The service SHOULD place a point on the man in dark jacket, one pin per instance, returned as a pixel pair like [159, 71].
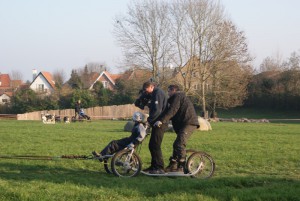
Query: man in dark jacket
[184, 120]
[157, 105]
[77, 109]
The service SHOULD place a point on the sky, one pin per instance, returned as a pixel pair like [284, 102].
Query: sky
[51, 35]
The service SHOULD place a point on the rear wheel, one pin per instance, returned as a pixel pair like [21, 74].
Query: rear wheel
[200, 165]
[126, 163]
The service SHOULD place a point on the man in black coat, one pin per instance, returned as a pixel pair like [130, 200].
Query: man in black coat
[184, 120]
[157, 105]
[77, 109]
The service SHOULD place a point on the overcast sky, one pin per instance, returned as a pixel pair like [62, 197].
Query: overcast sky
[49, 35]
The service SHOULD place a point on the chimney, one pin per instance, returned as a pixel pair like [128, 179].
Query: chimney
[34, 74]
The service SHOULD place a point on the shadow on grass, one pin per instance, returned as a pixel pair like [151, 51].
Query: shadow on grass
[240, 188]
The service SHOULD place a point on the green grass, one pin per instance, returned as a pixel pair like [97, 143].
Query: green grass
[253, 162]
[255, 113]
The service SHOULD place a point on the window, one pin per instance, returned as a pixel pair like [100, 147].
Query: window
[40, 87]
[4, 100]
[105, 84]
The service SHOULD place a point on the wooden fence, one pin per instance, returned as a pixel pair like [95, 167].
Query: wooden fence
[8, 116]
[105, 112]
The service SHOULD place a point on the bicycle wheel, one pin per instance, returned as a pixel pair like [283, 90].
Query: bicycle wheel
[200, 165]
[107, 166]
[126, 163]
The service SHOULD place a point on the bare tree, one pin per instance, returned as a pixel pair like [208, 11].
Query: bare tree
[272, 64]
[97, 67]
[59, 77]
[16, 75]
[196, 37]
[293, 62]
[144, 35]
[206, 44]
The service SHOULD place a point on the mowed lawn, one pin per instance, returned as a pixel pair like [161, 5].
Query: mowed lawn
[254, 161]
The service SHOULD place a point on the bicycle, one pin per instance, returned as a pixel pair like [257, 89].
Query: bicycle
[127, 163]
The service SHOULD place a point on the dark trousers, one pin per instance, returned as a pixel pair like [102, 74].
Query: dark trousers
[156, 138]
[179, 145]
[115, 145]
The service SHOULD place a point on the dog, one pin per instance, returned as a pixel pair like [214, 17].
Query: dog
[48, 119]
[66, 120]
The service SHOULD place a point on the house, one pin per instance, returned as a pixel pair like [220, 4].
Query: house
[188, 76]
[137, 74]
[5, 97]
[108, 80]
[7, 88]
[5, 81]
[43, 83]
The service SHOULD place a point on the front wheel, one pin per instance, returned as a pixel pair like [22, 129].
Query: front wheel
[126, 163]
[200, 165]
[107, 166]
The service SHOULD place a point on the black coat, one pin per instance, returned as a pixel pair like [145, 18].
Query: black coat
[158, 105]
[77, 107]
[181, 111]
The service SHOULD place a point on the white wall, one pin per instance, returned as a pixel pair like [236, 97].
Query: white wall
[41, 80]
[4, 96]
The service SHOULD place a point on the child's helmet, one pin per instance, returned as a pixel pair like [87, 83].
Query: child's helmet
[139, 117]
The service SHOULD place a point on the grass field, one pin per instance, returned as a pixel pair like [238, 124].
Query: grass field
[253, 162]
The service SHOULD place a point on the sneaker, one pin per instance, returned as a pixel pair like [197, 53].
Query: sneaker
[180, 169]
[157, 171]
[172, 167]
[148, 169]
[98, 155]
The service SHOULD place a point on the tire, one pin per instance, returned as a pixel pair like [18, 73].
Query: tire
[200, 165]
[107, 166]
[125, 164]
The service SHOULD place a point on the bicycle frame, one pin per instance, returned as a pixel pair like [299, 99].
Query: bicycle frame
[126, 163]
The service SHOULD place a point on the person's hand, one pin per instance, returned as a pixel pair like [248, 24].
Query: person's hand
[130, 146]
[157, 124]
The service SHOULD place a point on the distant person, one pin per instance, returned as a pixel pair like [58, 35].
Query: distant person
[184, 120]
[77, 109]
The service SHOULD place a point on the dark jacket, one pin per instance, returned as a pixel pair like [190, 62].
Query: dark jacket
[158, 105]
[77, 107]
[181, 111]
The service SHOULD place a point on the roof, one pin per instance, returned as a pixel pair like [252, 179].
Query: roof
[115, 76]
[16, 83]
[111, 77]
[5, 80]
[136, 73]
[48, 78]
[8, 93]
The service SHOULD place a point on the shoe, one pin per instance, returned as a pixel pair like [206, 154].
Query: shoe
[96, 154]
[172, 167]
[148, 169]
[180, 169]
[157, 171]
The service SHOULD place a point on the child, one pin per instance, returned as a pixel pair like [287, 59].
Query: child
[83, 115]
[138, 134]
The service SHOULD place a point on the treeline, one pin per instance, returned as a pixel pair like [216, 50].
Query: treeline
[278, 84]
[275, 90]
[27, 100]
